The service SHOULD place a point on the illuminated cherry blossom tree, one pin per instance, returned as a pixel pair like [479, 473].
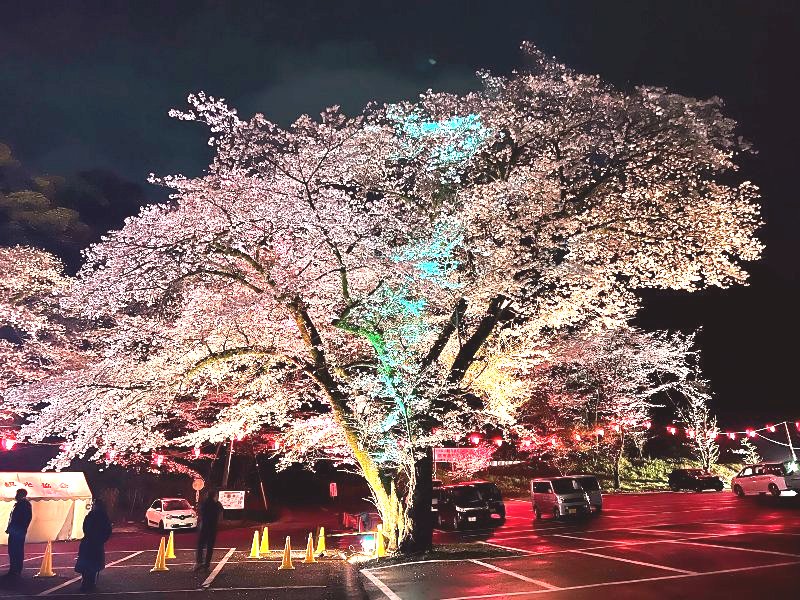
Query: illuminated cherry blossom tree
[348, 280]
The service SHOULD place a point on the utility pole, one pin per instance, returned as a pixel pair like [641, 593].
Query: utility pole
[227, 467]
[789, 439]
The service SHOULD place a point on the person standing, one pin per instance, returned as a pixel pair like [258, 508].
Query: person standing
[210, 512]
[91, 552]
[17, 529]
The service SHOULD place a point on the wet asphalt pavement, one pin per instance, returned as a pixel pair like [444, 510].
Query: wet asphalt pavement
[661, 545]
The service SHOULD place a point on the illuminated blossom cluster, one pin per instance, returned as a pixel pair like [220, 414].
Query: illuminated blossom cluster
[349, 280]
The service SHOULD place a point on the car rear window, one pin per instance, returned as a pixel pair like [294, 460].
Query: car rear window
[176, 505]
[588, 483]
[566, 486]
[465, 494]
[489, 491]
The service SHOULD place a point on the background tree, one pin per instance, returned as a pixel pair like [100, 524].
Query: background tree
[701, 425]
[366, 269]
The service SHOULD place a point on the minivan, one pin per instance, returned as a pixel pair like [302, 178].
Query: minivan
[591, 486]
[461, 506]
[494, 499]
[559, 497]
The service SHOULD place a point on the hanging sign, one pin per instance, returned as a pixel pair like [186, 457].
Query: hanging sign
[232, 499]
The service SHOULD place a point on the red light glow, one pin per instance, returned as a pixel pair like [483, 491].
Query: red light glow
[196, 451]
[616, 427]
[9, 443]
[600, 432]
[690, 433]
[648, 424]
[159, 460]
[475, 438]
[771, 428]
[497, 441]
[577, 437]
[672, 430]
[750, 433]
[732, 435]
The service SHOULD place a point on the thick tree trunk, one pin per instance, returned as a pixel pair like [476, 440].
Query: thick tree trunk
[420, 538]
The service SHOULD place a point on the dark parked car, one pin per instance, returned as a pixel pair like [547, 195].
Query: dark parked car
[494, 499]
[461, 505]
[694, 479]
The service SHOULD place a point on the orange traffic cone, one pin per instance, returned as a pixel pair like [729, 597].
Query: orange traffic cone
[265, 542]
[171, 545]
[310, 550]
[46, 570]
[321, 542]
[380, 545]
[161, 560]
[286, 563]
[254, 547]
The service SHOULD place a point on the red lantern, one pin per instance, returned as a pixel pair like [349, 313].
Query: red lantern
[672, 430]
[750, 433]
[475, 438]
[732, 435]
[526, 443]
[274, 444]
[712, 434]
[9, 443]
[771, 428]
[196, 452]
[159, 460]
[497, 440]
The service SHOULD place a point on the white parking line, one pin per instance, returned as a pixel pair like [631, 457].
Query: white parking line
[718, 546]
[507, 548]
[625, 582]
[74, 579]
[381, 586]
[513, 574]
[184, 591]
[635, 562]
[210, 579]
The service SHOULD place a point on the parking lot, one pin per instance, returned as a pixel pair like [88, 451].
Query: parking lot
[659, 545]
[130, 556]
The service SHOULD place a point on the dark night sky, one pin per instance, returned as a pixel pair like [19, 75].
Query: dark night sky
[87, 85]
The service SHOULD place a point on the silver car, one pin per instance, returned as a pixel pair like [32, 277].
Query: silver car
[591, 486]
[559, 497]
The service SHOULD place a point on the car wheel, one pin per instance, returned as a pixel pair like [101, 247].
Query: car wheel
[737, 489]
[556, 514]
[674, 487]
[773, 489]
[161, 525]
[537, 513]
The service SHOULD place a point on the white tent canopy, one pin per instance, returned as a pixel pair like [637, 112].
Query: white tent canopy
[60, 502]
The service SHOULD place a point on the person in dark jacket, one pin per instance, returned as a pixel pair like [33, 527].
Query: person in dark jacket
[17, 529]
[210, 512]
[91, 552]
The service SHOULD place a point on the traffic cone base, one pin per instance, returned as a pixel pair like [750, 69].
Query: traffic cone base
[286, 563]
[254, 547]
[46, 570]
[310, 550]
[265, 542]
[161, 559]
[321, 542]
[171, 545]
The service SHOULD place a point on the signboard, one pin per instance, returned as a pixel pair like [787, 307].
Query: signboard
[232, 499]
[454, 455]
[332, 489]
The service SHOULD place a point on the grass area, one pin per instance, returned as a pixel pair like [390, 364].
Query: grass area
[635, 476]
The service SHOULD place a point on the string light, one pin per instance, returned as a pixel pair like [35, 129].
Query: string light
[672, 430]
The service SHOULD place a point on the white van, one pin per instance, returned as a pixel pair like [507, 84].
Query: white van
[559, 497]
[591, 486]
